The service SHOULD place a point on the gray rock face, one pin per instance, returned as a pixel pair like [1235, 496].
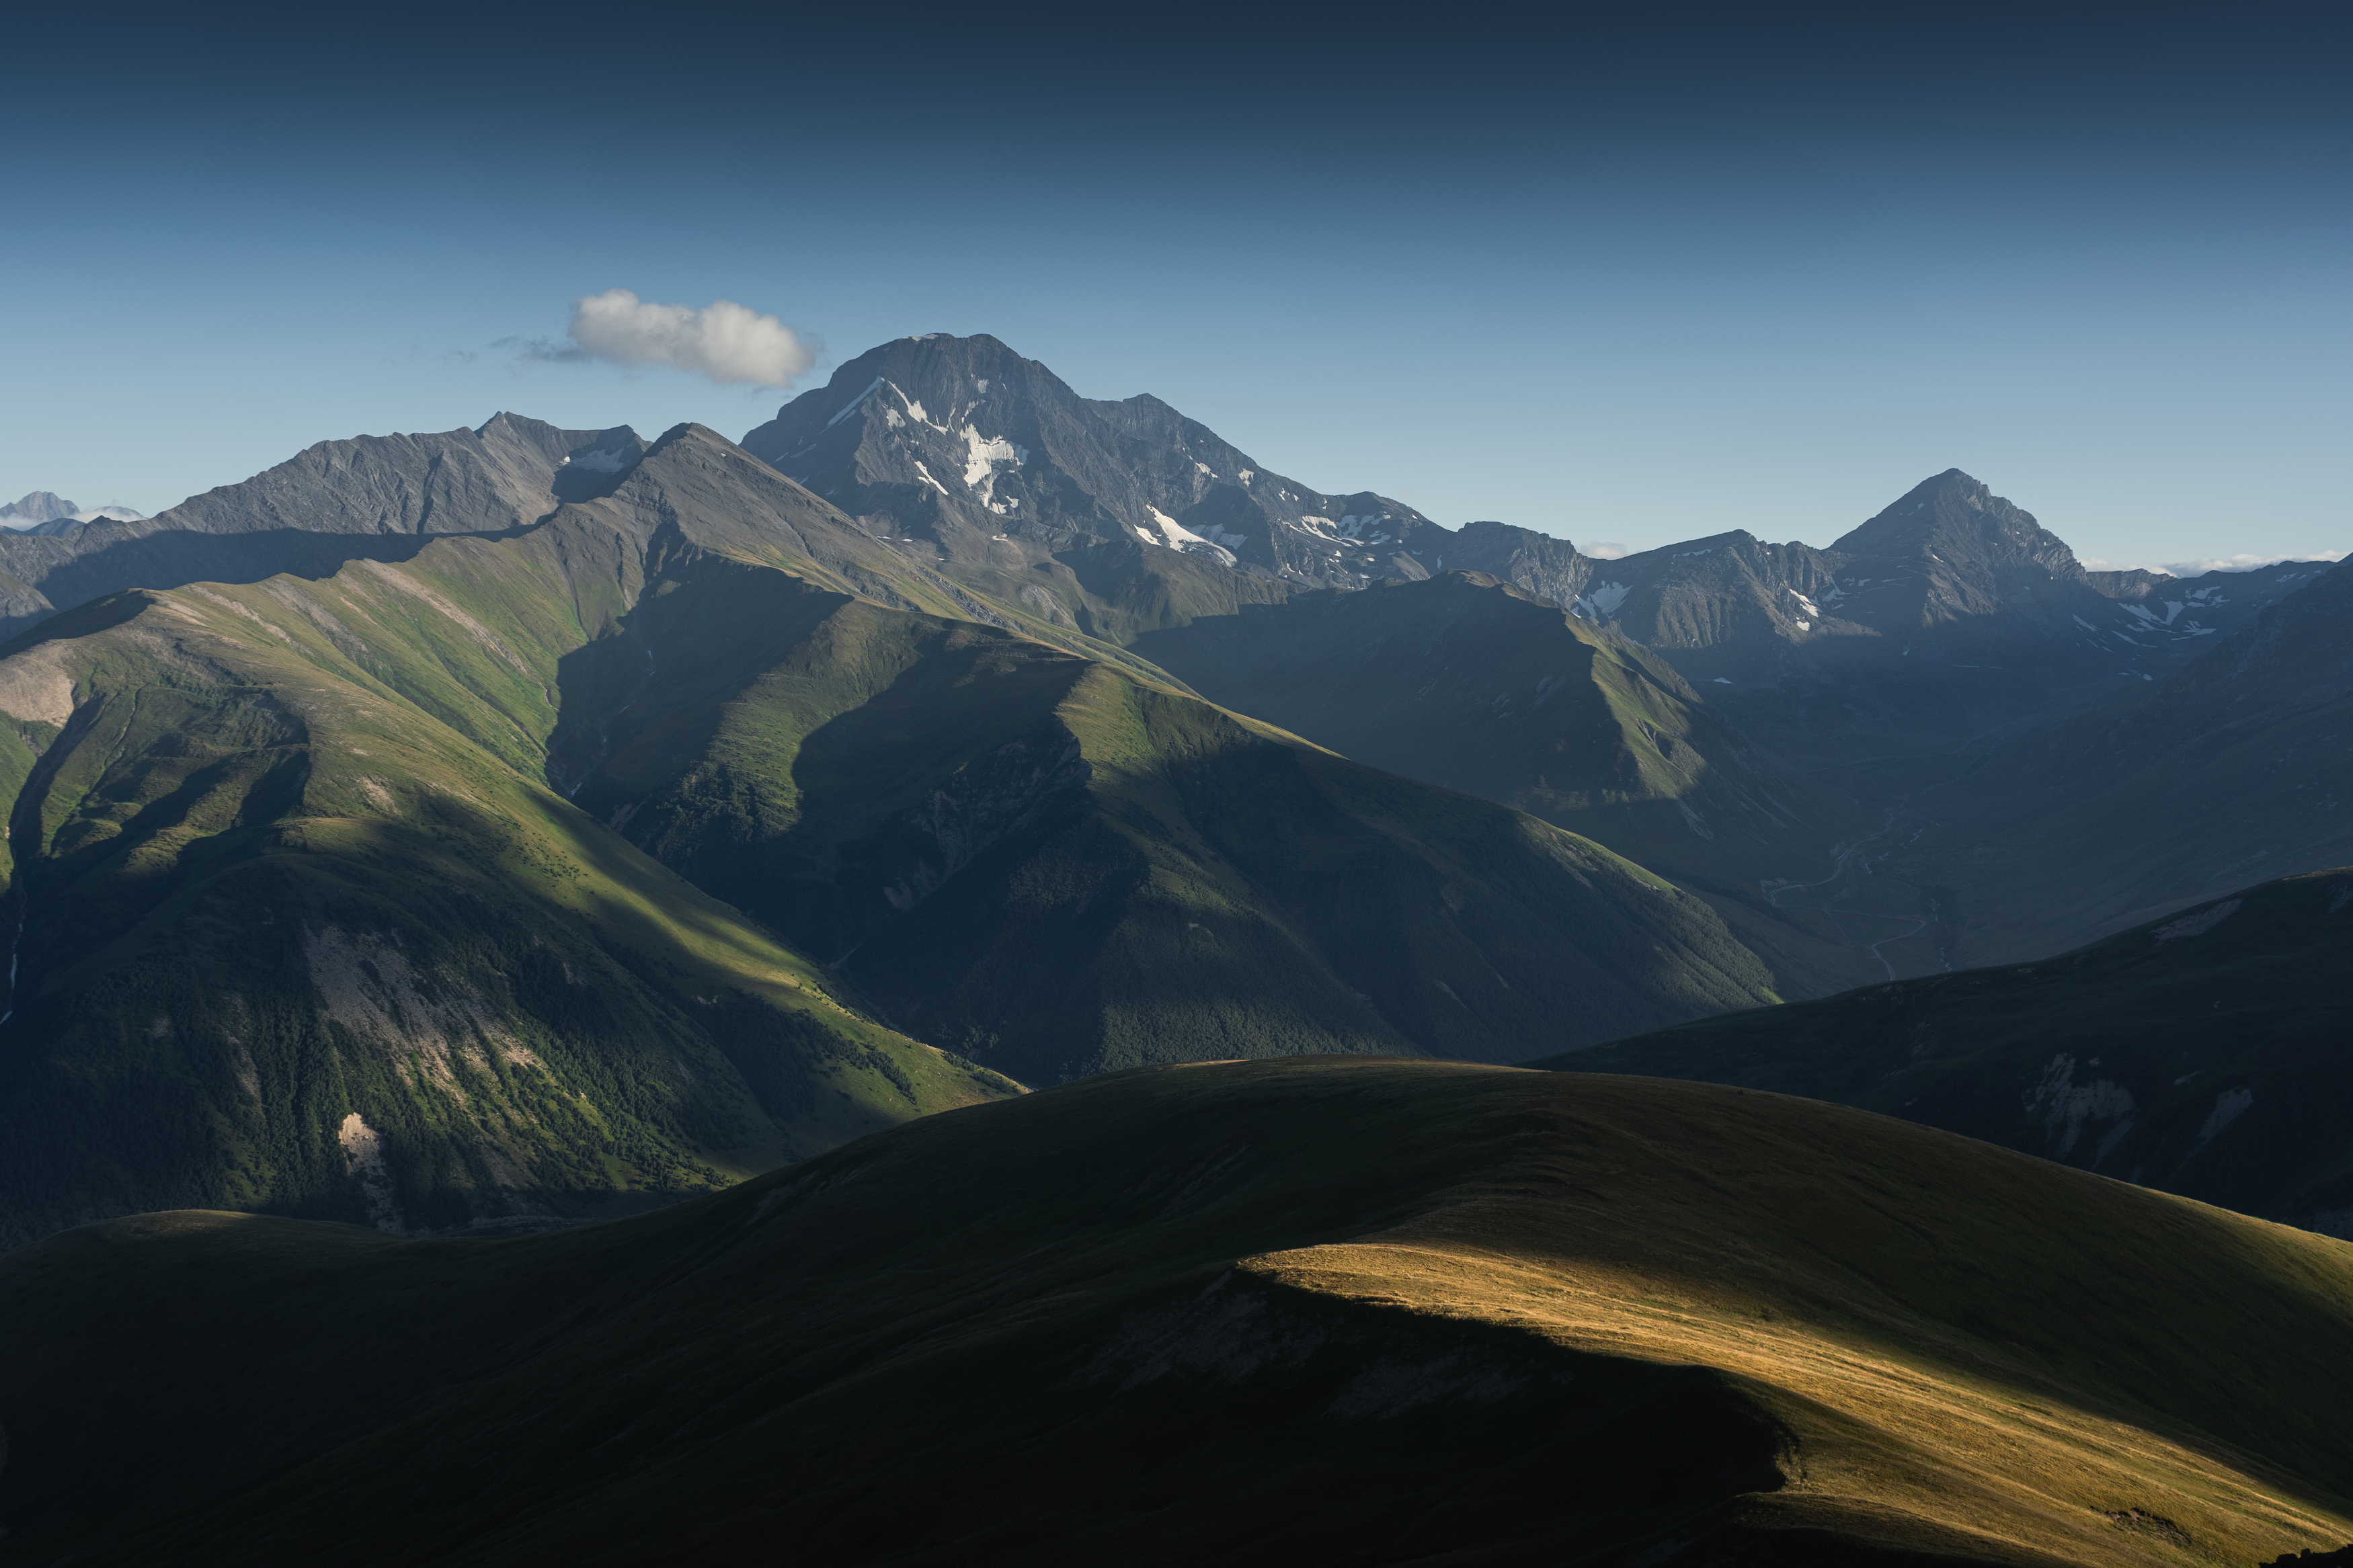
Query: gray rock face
[1950, 573]
[1551, 568]
[37, 507]
[508, 474]
[375, 495]
[954, 441]
[941, 436]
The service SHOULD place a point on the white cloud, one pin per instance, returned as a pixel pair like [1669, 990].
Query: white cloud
[2205, 563]
[1603, 550]
[731, 343]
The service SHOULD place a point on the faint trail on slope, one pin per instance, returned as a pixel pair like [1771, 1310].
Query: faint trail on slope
[1838, 866]
[1917, 927]
[1845, 863]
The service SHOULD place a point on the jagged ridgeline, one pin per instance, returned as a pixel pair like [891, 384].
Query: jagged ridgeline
[392, 889]
[1816, 710]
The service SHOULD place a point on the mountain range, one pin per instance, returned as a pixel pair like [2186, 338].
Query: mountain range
[950, 982]
[1057, 735]
[1885, 668]
[418, 810]
[47, 512]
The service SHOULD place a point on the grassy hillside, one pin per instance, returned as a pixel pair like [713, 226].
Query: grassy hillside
[1467, 682]
[2203, 1053]
[1053, 866]
[1334, 1310]
[292, 940]
[396, 894]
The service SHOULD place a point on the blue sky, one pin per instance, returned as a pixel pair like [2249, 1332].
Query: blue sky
[1630, 282]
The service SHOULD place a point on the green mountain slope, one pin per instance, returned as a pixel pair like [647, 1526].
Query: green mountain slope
[301, 934]
[1331, 1311]
[1055, 867]
[1471, 683]
[2203, 1053]
[1053, 864]
[328, 910]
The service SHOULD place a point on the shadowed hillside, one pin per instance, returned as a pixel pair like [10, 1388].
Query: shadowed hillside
[2203, 1053]
[1054, 868]
[1471, 683]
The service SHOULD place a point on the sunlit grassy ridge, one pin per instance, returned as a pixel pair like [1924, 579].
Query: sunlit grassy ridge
[1054, 866]
[1334, 1310]
[295, 865]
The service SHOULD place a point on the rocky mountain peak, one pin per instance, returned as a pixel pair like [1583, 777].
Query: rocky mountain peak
[964, 443]
[37, 506]
[1952, 517]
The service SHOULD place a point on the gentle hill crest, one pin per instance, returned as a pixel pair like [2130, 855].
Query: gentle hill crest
[1535, 1316]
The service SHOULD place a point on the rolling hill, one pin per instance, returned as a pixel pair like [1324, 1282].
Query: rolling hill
[2202, 1053]
[1338, 1310]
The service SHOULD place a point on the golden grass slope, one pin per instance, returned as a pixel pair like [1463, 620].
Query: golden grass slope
[1309, 1309]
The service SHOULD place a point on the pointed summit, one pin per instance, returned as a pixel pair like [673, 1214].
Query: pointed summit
[38, 507]
[965, 444]
[1958, 519]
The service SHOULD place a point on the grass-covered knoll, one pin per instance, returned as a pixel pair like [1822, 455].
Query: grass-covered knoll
[293, 941]
[2203, 1053]
[1330, 1310]
[1055, 867]
[1467, 682]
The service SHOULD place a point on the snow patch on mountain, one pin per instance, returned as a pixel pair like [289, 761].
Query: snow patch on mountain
[363, 1161]
[982, 454]
[1601, 601]
[850, 406]
[1177, 536]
